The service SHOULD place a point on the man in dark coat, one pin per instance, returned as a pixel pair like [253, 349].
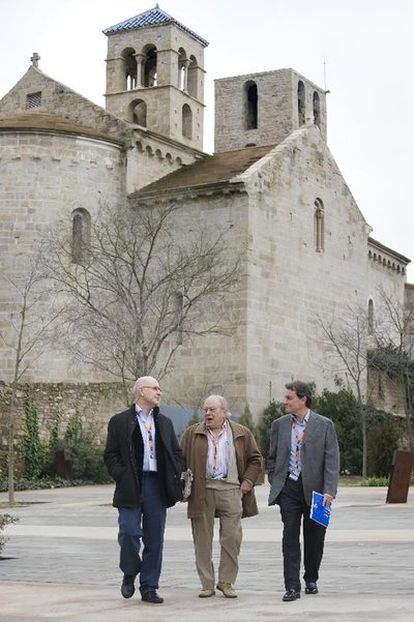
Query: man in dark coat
[303, 457]
[142, 455]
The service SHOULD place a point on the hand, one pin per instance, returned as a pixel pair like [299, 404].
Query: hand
[327, 500]
[245, 487]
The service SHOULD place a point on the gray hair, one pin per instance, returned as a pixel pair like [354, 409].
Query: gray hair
[222, 402]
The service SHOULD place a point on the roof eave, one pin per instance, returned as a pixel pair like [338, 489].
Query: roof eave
[188, 192]
[389, 250]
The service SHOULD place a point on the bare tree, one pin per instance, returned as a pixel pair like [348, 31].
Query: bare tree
[26, 333]
[348, 338]
[144, 285]
[394, 354]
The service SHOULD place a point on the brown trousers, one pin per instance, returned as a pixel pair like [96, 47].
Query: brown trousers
[227, 505]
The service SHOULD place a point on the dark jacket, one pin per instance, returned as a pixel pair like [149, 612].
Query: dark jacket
[124, 453]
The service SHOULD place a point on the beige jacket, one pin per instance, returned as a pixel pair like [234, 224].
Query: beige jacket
[249, 460]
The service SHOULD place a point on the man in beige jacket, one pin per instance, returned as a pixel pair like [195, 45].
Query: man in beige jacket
[226, 464]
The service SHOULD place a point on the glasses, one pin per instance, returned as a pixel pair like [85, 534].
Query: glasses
[153, 388]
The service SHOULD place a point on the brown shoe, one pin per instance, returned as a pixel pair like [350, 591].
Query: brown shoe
[206, 593]
[227, 589]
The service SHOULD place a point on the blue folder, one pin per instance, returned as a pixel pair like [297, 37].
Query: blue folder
[319, 512]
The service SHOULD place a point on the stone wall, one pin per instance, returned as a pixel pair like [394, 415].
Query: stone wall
[213, 363]
[44, 176]
[60, 100]
[150, 158]
[292, 284]
[96, 402]
[386, 393]
[277, 109]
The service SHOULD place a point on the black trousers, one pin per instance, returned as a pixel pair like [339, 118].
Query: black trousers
[292, 508]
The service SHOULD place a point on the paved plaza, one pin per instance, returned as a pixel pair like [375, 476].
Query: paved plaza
[61, 564]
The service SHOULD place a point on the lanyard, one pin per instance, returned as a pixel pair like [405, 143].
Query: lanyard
[148, 428]
[299, 438]
[216, 442]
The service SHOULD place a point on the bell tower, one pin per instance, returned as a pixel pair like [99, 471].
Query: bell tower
[155, 76]
[264, 108]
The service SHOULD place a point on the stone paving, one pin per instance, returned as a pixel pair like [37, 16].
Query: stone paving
[63, 564]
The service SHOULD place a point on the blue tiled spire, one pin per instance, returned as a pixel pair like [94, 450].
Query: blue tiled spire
[152, 17]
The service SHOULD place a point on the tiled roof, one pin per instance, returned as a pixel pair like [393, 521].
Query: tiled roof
[152, 17]
[215, 169]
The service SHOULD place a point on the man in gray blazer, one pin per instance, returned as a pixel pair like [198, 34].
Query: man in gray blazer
[303, 457]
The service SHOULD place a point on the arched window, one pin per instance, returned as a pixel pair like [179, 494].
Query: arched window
[182, 69]
[250, 105]
[138, 112]
[81, 235]
[130, 65]
[301, 103]
[319, 226]
[316, 109]
[150, 66]
[187, 121]
[179, 312]
[192, 77]
[370, 317]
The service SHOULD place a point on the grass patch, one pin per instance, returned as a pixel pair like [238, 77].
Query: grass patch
[375, 481]
[48, 483]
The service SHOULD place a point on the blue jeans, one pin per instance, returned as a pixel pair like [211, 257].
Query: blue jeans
[147, 522]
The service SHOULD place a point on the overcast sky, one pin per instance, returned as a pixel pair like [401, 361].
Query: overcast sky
[368, 46]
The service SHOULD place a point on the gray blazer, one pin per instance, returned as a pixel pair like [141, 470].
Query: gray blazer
[319, 454]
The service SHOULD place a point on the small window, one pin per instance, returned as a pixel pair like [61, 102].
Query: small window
[187, 122]
[319, 226]
[130, 69]
[192, 77]
[182, 69]
[81, 235]
[301, 103]
[250, 105]
[370, 317]
[179, 312]
[150, 66]
[412, 343]
[316, 109]
[139, 112]
[34, 100]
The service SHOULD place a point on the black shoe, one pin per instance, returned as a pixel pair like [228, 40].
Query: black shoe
[152, 597]
[311, 588]
[128, 587]
[290, 595]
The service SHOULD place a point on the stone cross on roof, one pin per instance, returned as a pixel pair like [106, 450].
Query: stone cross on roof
[35, 59]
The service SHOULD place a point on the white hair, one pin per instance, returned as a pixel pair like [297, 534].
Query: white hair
[222, 402]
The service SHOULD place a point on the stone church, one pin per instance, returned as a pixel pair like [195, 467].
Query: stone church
[308, 248]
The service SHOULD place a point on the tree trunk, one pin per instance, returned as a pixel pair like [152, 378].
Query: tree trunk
[364, 442]
[11, 422]
[363, 413]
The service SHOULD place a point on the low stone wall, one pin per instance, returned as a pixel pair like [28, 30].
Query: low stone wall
[96, 401]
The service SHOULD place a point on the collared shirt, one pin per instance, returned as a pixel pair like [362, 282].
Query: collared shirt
[296, 441]
[147, 427]
[217, 453]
